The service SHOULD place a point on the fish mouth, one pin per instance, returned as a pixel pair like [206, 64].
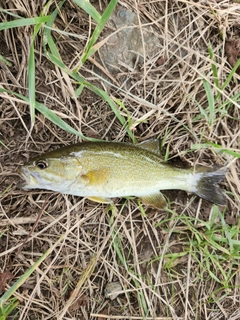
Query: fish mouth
[22, 184]
[26, 178]
[29, 180]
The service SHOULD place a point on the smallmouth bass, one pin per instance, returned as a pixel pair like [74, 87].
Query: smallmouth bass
[104, 170]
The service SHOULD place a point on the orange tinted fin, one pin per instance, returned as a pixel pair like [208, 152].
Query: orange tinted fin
[97, 176]
[100, 199]
[156, 200]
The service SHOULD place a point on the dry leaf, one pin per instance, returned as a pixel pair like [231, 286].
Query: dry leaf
[80, 302]
[161, 61]
[4, 277]
[232, 49]
[105, 312]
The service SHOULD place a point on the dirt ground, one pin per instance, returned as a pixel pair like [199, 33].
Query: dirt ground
[163, 261]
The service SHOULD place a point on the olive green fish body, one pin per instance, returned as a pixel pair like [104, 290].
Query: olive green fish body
[103, 170]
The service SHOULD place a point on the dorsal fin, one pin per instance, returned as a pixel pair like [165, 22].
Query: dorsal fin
[152, 145]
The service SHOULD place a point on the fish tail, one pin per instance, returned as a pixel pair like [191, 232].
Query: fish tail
[206, 182]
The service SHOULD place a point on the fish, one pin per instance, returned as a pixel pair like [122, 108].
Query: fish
[104, 170]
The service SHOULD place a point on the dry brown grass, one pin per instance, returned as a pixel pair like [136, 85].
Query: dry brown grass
[122, 243]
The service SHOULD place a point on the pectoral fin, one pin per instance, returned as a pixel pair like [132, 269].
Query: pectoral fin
[100, 199]
[156, 200]
[96, 177]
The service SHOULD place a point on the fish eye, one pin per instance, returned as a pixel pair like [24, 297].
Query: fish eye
[41, 164]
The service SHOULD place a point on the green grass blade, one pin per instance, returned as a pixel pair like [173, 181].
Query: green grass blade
[31, 84]
[48, 40]
[105, 96]
[5, 312]
[4, 192]
[55, 58]
[52, 47]
[10, 13]
[23, 22]
[38, 21]
[3, 144]
[217, 148]
[87, 7]
[50, 115]
[117, 245]
[4, 60]
[229, 78]
[214, 68]
[94, 89]
[59, 122]
[141, 299]
[202, 110]
[105, 17]
[32, 77]
[226, 229]
[79, 91]
[211, 102]
[8, 294]
[129, 121]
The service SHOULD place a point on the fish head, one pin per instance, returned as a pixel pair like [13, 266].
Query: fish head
[51, 173]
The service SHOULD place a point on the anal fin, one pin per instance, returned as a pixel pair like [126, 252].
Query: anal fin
[156, 200]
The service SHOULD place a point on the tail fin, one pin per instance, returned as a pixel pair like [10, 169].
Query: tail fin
[207, 180]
